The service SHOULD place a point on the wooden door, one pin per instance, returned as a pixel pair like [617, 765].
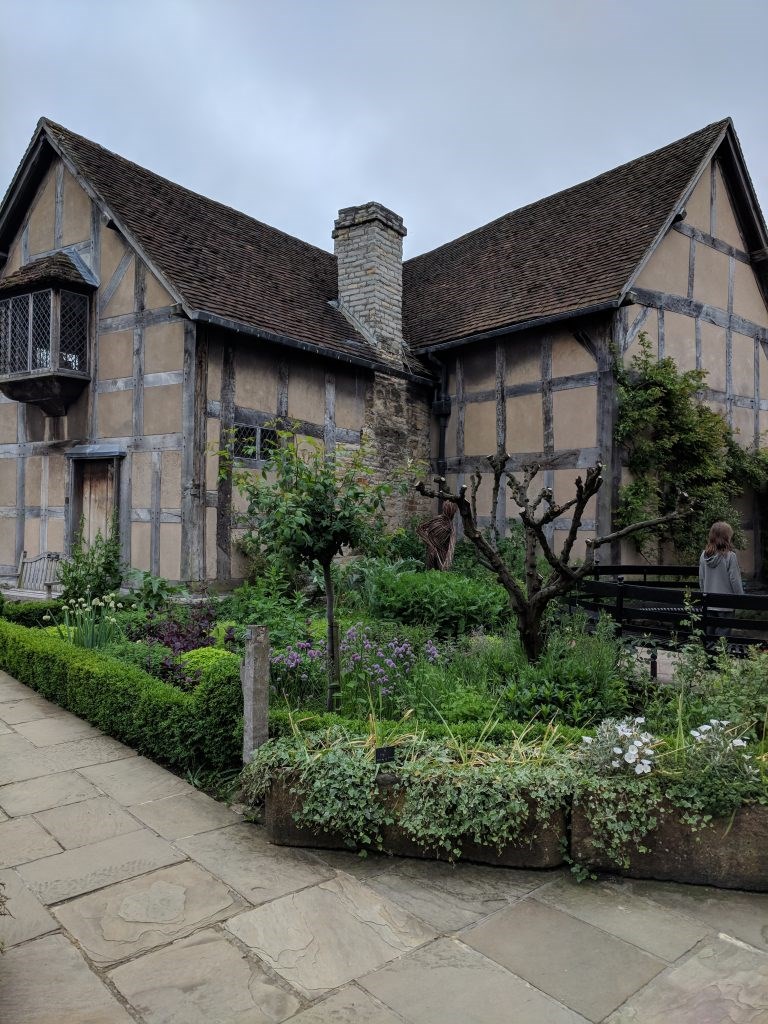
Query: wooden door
[97, 498]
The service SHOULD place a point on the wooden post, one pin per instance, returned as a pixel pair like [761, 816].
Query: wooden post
[254, 676]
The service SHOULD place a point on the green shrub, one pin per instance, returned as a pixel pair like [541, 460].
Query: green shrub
[267, 602]
[30, 613]
[180, 729]
[149, 657]
[449, 603]
[95, 570]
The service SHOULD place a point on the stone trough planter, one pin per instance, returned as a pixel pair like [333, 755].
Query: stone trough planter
[541, 847]
[731, 854]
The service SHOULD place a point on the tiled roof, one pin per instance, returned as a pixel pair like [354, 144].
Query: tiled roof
[218, 260]
[561, 254]
[57, 269]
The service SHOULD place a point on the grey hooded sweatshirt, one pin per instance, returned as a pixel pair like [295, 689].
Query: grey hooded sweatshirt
[720, 574]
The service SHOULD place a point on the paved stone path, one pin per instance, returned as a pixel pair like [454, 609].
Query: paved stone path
[136, 898]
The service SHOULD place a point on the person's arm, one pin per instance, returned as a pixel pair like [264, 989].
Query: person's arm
[734, 574]
[701, 574]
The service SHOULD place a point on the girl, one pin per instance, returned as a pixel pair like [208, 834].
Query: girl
[719, 571]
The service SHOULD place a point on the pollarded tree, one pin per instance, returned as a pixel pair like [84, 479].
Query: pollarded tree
[529, 599]
[305, 505]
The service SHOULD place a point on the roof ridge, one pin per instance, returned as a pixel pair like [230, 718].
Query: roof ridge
[47, 122]
[720, 125]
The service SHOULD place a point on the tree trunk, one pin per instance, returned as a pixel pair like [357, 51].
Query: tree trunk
[529, 626]
[333, 653]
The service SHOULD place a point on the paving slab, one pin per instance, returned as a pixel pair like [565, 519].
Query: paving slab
[22, 840]
[185, 814]
[26, 917]
[47, 982]
[4, 729]
[324, 937]
[448, 983]
[617, 907]
[354, 864]
[11, 689]
[46, 732]
[135, 783]
[744, 915]
[86, 822]
[722, 982]
[579, 965]
[137, 915]
[42, 793]
[450, 897]
[240, 856]
[28, 709]
[91, 867]
[31, 762]
[349, 1005]
[201, 980]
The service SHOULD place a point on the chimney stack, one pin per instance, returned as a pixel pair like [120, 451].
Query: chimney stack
[368, 243]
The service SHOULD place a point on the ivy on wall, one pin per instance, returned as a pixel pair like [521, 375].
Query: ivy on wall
[672, 442]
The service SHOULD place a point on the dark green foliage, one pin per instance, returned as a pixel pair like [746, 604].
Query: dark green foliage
[93, 571]
[30, 613]
[673, 443]
[363, 582]
[153, 593]
[149, 657]
[402, 543]
[267, 600]
[159, 720]
[449, 603]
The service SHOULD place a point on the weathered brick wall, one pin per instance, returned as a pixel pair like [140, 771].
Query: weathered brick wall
[368, 242]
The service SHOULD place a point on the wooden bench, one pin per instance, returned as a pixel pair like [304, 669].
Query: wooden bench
[39, 574]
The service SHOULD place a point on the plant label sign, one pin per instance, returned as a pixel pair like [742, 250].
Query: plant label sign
[384, 754]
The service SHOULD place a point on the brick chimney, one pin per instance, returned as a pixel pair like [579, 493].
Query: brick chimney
[368, 243]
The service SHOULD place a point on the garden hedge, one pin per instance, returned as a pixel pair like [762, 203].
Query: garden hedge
[28, 613]
[167, 724]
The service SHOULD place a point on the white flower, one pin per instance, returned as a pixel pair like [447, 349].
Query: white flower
[738, 743]
[615, 764]
[586, 739]
[46, 618]
[642, 768]
[631, 755]
[639, 721]
[618, 750]
[705, 728]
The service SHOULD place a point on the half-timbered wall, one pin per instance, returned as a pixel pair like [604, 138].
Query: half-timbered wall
[699, 302]
[138, 403]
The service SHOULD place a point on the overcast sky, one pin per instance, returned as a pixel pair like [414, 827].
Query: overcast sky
[451, 112]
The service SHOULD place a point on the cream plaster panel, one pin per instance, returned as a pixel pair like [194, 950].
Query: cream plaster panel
[697, 206]
[579, 549]
[726, 227]
[77, 416]
[123, 300]
[564, 488]
[36, 423]
[710, 278]
[680, 340]
[480, 428]
[713, 355]
[7, 483]
[525, 426]
[747, 298]
[212, 427]
[667, 269]
[306, 392]
[57, 480]
[115, 357]
[719, 408]
[485, 495]
[170, 550]
[480, 367]
[214, 373]
[155, 295]
[210, 543]
[14, 260]
[112, 251]
[743, 365]
[8, 423]
[650, 329]
[32, 537]
[8, 541]
[763, 428]
[451, 448]
[114, 413]
[55, 535]
[256, 380]
[162, 409]
[141, 546]
[350, 401]
[42, 218]
[574, 413]
[744, 426]
[141, 479]
[170, 481]
[763, 369]
[76, 213]
[523, 359]
[164, 347]
[32, 480]
[569, 357]
[240, 565]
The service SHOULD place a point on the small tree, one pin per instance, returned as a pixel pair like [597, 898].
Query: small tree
[529, 599]
[305, 505]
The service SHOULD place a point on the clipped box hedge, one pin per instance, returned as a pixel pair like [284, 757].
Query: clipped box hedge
[167, 724]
